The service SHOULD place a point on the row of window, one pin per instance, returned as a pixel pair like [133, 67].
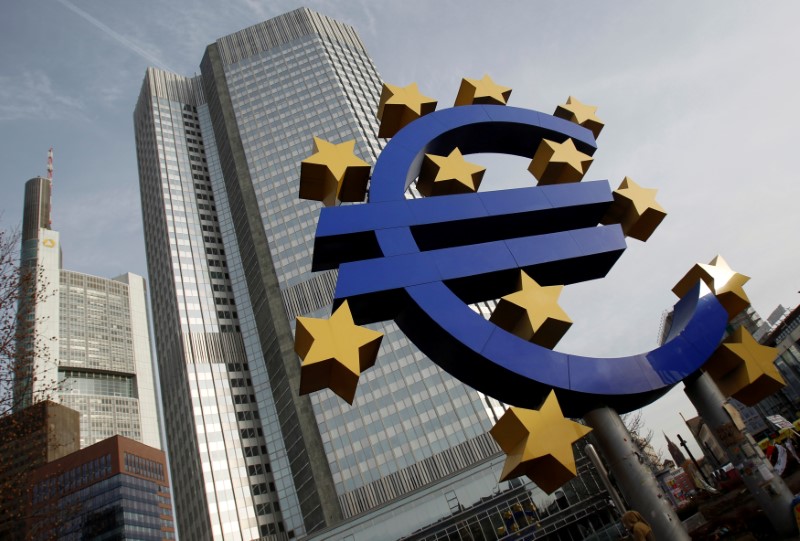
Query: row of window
[144, 467]
[68, 481]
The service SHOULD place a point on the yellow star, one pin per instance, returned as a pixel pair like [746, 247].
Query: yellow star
[580, 113]
[538, 444]
[559, 163]
[722, 280]
[445, 175]
[400, 105]
[636, 209]
[744, 369]
[334, 351]
[333, 172]
[482, 91]
[533, 313]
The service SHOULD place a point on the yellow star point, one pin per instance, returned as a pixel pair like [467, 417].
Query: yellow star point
[333, 172]
[401, 105]
[445, 175]
[533, 313]
[636, 209]
[726, 284]
[482, 92]
[745, 369]
[334, 352]
[539, 444]
[581, 114]
[559, 163]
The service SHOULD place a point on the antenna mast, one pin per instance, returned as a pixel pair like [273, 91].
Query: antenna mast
[50, 183]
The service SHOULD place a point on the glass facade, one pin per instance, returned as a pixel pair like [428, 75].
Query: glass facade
[407, 410]
[786, 402]
[95, 324]
[97, 367]
[229, 253]
[93, 496]
[219, 459]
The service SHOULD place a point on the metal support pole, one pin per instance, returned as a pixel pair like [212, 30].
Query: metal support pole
[619, 503]
[633, 477]
[768, 489]
[694, 460]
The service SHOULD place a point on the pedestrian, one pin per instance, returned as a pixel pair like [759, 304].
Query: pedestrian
[770, 453]
[635, 523]
[780, 462]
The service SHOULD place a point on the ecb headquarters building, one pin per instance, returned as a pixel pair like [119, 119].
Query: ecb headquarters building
[229, 256]
[92, 352]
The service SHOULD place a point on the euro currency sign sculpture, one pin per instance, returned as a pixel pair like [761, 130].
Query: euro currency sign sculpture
[422, 262]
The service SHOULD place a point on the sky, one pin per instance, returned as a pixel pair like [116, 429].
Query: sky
[699, 101]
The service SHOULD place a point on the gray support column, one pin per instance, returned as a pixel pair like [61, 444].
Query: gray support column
[635, 480]
[601, 471]
[768, 489]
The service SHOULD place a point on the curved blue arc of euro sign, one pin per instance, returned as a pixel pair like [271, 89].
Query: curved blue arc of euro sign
[421, 262]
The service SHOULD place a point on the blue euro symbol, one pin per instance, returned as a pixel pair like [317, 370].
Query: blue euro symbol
[421, 262]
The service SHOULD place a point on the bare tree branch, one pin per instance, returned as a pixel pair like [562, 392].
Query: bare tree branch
[25, 438]
[642, 436]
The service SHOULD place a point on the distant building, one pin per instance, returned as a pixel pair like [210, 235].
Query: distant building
[30, 438]
[115, 489]
[675, 452]
[747, 318]
[752, 322]
[707, 441]
[786, 338]
[777, 315]
[87, 344]
[104, 364]
[36, 375]
[754, 419]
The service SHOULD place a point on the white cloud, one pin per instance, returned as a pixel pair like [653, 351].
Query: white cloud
[144, 51]
[30, 95]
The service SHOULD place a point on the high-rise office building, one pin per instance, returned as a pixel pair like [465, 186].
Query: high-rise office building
[117, 488]
[784, 337]
[229, 255]
[104, 363]
[86, 341]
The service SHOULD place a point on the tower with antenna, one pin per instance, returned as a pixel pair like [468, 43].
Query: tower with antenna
[41, 249]
[72, 355]
[38, 193]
